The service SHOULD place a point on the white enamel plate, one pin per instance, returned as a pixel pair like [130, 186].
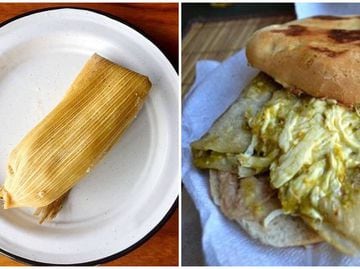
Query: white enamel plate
[131, 190]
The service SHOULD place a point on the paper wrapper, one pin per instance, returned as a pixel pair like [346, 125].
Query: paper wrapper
[216, 87]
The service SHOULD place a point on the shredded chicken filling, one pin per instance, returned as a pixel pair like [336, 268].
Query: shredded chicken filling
[311, 148]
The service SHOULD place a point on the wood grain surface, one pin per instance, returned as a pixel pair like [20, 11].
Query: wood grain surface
[159, 23]
[218, 40]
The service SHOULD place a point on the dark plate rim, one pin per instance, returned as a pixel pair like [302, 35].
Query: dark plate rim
[162, 221]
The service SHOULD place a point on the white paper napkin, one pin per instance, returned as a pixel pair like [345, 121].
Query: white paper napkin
[216, 87]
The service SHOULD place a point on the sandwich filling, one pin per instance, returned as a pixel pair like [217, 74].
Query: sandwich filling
[309, 147]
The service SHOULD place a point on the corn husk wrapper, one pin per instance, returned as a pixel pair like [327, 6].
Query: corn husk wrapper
[100, 104]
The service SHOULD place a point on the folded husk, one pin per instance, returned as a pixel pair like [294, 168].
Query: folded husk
[100, 104]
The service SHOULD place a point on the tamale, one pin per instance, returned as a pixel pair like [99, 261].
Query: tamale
[98, 107]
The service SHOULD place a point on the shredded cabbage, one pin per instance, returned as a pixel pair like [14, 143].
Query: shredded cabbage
[271, 216]
[309, 146]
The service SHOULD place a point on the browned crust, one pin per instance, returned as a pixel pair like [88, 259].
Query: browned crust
[319, 56]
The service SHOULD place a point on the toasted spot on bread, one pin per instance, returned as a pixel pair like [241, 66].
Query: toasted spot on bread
[344, 36]
[330, 18]
[328, 52]
[292, 30]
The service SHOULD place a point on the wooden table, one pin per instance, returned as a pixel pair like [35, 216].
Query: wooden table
[216, 40]
[159, 23]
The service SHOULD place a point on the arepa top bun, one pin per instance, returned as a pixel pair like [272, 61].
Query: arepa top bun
[319, 56]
